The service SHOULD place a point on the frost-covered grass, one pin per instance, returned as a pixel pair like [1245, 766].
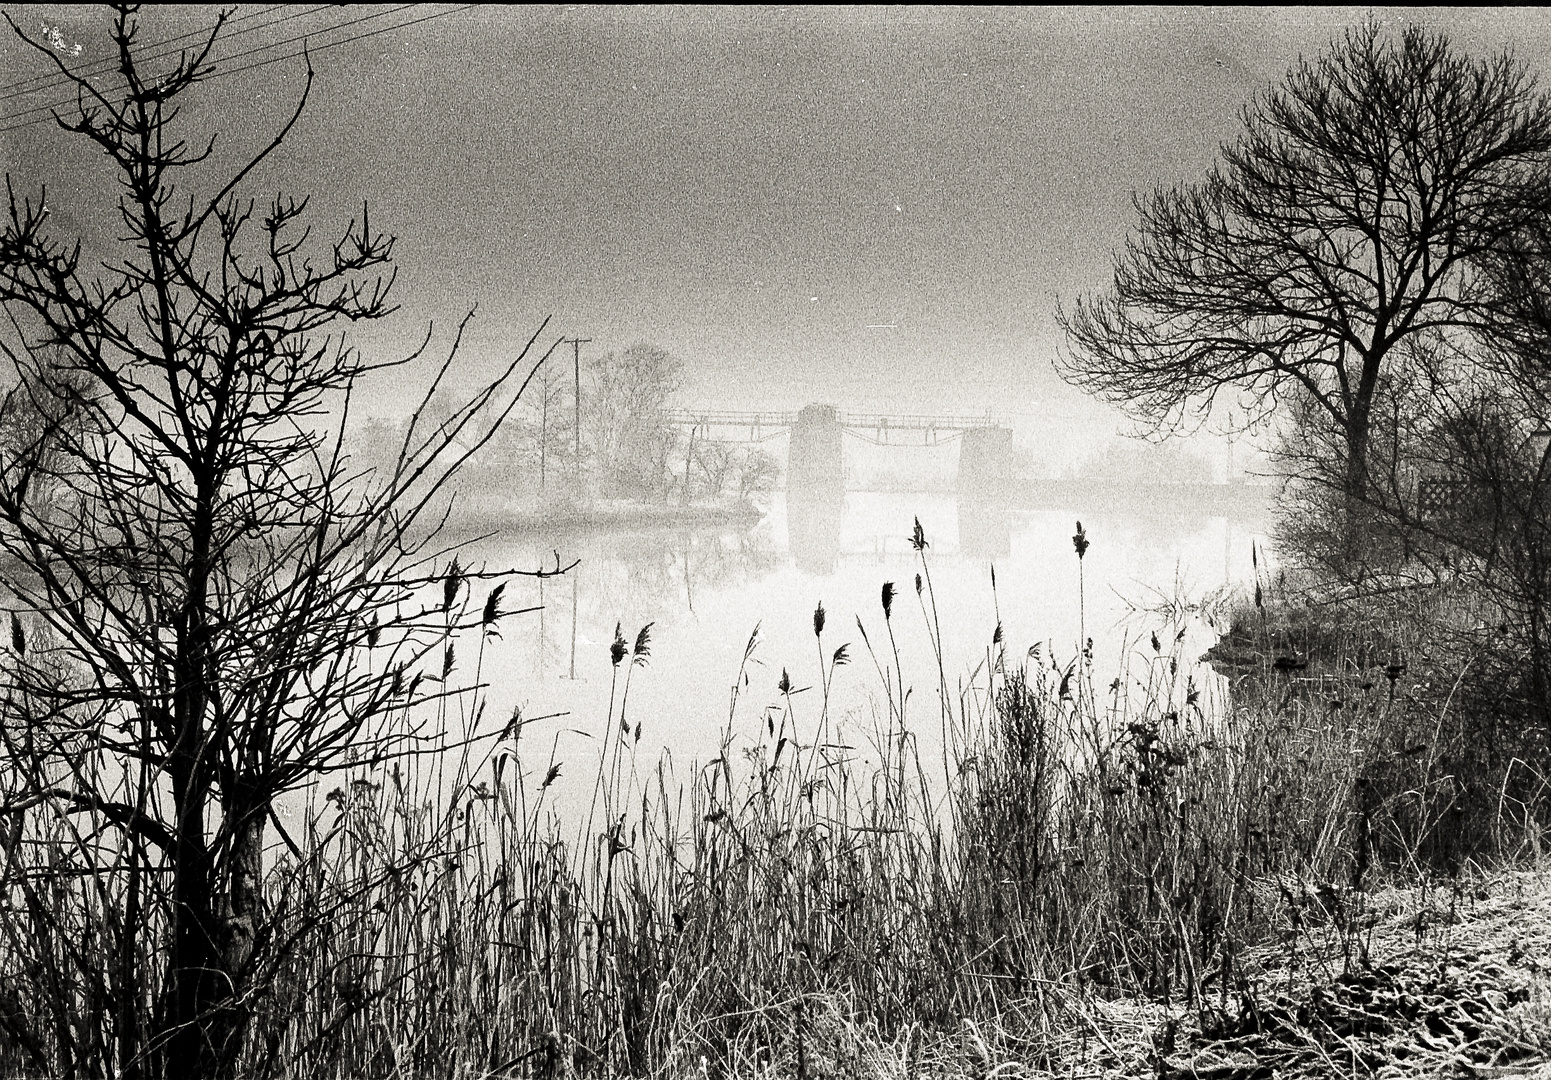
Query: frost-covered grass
[821, 900]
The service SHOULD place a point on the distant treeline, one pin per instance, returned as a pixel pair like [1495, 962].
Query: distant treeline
[628, 448]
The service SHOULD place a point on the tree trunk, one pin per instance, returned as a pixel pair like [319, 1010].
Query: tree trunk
[194, 978]
[201, 984]
[1355, 497]
[243, 917]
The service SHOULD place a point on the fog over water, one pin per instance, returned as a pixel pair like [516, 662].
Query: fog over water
[872, 209]
[705, 591]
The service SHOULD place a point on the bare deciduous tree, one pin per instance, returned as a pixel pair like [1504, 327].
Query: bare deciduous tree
[632, 445]
[1353, 213]
[211, 607]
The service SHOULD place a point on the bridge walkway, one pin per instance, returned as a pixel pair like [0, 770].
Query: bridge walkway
[871, 427]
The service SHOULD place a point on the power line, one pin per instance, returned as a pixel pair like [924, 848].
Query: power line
[38, 83]
[304, 51]
[347, 41]
[64, 103]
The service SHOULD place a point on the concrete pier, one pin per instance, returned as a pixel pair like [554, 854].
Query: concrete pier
[815, 489]
[815, 459]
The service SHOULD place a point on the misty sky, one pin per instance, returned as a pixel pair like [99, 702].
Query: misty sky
[874, 208]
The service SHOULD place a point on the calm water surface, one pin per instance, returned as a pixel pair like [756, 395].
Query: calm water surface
[705, 592]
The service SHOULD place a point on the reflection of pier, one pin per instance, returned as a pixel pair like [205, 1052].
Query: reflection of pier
[989, 485]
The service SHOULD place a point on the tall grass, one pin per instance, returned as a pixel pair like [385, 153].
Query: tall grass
[798, 902]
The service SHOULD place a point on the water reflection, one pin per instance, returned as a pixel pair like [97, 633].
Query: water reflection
[985, 528]
[705, 590]
[814, 513]
[632, 576]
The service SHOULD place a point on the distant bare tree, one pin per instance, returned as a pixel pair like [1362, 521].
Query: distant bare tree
[714, 461]
[623, 421]
[1353, 214]
[758, 472]
[210, 605]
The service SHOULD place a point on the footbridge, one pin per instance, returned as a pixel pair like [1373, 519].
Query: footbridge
[814, 454]
[881, 428]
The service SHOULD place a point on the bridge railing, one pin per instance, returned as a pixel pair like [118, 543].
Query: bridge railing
[767, 421]
[700, 418]
[912, 422]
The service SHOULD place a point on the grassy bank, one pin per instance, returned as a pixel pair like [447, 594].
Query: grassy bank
[824, 899]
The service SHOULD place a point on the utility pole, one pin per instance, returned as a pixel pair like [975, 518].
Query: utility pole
[688, 457]
[576, 358]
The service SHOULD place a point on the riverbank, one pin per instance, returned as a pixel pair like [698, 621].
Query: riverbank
[1417, 980]
[483, 515]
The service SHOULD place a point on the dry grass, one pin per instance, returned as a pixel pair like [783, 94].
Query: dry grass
[1116, 878]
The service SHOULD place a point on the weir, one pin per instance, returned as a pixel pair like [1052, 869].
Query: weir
[816, 434]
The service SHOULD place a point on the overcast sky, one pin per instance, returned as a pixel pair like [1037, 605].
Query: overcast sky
[875, 208]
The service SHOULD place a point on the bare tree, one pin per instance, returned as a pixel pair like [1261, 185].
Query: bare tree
[1352, 214]
[757, 472]
[632, 445]
[210, 606]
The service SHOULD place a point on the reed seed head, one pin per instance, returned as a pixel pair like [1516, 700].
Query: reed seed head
[493, 606]
[618, 649]
[1080, 541]
[888, 599]
[818, 619]
[513, 728]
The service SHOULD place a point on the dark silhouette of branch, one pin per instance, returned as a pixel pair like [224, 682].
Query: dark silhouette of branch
[1354, 213]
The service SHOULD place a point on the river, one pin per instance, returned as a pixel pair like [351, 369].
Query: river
[705, 592]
